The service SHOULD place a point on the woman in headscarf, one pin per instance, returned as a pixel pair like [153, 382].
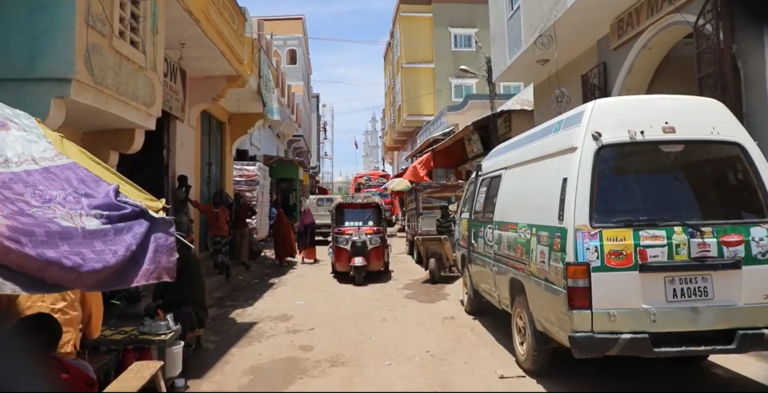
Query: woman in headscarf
[285, 242]
[307, 236]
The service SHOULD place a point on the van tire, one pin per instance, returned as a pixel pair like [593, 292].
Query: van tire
[470, 297]
[532, 348]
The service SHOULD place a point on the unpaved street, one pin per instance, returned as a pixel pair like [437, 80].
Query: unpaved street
[298, 329]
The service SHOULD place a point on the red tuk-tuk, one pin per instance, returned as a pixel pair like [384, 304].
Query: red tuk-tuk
[359, 245]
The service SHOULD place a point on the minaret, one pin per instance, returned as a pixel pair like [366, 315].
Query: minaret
[373, 141]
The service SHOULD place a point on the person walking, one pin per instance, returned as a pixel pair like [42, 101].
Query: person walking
[242, 211]
[306, 237]
[217, 216]
[285, 241]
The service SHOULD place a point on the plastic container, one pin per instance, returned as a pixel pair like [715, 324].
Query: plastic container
[174, 355]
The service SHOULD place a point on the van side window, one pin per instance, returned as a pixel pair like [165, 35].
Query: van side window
[490, 199]
[469, 198]
[480, 199]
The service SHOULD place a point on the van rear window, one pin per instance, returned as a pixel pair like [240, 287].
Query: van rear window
[324, 202]
[686, 181]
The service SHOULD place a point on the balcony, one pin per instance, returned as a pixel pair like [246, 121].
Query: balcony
[224, 24]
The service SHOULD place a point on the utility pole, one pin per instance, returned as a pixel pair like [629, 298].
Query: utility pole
[491, 94]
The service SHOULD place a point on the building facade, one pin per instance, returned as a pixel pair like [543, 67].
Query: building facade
[291, 52]
[316, 128]
[624, 47]
[154, 89]
[429, 42]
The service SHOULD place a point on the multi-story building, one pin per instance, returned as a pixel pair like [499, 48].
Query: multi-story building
[152, 88]
[291, 53]
[429, 41]
[575, 51]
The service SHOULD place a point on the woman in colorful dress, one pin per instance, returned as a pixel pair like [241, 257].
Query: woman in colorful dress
[307, 236]
[285, 241]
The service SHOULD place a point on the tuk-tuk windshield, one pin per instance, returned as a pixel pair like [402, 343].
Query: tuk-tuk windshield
[355, 216]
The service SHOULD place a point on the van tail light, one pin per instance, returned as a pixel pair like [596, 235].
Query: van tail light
[579, 287]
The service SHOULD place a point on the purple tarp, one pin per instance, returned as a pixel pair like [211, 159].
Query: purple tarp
[63, 227]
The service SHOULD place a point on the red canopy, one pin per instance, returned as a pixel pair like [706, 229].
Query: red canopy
[417, 172]
[322, 191]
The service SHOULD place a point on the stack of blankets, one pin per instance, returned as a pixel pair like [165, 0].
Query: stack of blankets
[252, 181]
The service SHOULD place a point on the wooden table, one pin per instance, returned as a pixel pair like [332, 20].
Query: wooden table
[119, 338]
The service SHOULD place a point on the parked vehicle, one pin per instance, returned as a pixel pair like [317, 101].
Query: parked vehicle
[389, 203]
[360, 244]
[629, 226]
[320, 206]
[368, 179]
[422, 208]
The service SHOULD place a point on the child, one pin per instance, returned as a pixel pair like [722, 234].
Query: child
[40, 333]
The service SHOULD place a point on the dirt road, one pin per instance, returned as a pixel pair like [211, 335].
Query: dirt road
[298, 329]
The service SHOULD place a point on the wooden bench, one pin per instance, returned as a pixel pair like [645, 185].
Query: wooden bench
[138, 375]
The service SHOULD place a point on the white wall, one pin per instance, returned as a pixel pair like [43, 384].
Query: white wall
[183, 154]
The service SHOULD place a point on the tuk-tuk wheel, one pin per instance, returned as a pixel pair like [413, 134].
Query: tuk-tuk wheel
[359, 276]
[409, 248]
[434, 271]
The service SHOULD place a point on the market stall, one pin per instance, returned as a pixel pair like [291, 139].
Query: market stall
[252, 181]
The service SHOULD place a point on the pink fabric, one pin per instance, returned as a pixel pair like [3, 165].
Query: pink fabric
[307, 217]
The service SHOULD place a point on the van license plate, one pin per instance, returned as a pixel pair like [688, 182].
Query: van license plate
[689, 288]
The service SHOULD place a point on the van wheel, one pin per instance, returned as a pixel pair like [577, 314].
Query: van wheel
[434, 271]
[470, 297]
[532, 348]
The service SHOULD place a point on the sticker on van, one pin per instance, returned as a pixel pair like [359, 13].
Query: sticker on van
[611, 250]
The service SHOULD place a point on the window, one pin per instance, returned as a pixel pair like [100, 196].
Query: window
[510, 88]
[398, 93]
[358, 216]
[292, 57]
[324, 202]
[486, 198]
[701, 182]
[462, 41]
[129, 23]
[512, 6]
[461, 88]
[468, 199]
[396, 42]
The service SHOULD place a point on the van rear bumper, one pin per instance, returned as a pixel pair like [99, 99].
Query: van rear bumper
[595, 345]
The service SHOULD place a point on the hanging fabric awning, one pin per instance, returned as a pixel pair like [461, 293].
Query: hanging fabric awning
[417, 172]
[68, 221]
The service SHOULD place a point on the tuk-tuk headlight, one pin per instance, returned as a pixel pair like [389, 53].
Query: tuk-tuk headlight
[374, 241]
[342, 241]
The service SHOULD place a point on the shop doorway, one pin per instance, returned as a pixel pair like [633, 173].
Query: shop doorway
[211, 165]
[149, 168]
[684, 54]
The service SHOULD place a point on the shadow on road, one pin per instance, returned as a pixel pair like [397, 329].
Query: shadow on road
[244, 289]
[370, 278]
[620, 374]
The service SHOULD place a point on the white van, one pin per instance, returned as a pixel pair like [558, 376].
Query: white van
[629, 226]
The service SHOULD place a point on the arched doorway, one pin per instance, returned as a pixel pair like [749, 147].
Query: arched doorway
[664, 60]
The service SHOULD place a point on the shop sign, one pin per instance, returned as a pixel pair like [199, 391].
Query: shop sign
[174, 88]
[639, 17]
[472, 144]
[268, 92]
[432, 128]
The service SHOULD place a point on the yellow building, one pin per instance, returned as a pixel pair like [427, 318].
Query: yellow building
[429, 40]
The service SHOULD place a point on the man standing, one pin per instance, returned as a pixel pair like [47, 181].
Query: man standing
[181, 207]
[446, 222]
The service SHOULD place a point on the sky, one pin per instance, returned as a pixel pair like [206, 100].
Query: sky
[359, 67]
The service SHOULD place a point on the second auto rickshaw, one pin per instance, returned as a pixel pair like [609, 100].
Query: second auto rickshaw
[359, 245]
